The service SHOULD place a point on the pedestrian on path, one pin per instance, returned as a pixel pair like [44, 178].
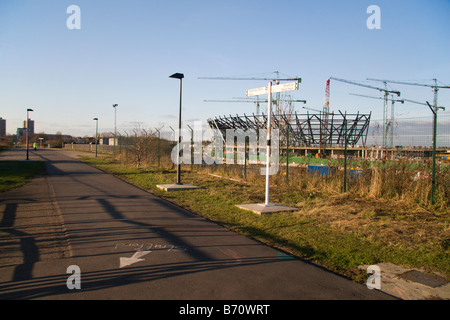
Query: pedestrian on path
[35, 146]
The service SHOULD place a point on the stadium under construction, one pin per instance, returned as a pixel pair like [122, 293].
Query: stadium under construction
[314, 135]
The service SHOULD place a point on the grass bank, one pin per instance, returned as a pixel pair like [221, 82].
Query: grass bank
[339, 231]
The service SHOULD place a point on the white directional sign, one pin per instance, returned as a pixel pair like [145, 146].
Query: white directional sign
[257, 91]
[290, 86]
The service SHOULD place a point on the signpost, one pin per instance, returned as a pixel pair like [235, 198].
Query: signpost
[291, 86]
[268, 207]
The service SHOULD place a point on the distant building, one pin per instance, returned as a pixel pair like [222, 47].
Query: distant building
[107, 141]
[2, 127]
[31, 129]
[20, 132]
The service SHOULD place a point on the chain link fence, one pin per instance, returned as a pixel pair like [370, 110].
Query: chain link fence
[411, 132]
[393, 177]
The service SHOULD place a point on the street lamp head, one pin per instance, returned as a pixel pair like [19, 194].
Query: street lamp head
[30, 110]
[177, 76]
[115, 105]
[95, 119]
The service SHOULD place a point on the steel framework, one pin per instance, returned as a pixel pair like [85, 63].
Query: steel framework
[304, 129]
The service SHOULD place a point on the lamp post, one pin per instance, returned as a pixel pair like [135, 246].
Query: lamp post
[28, 128]
[179, 76]
[178, 185]
[96, 136]
[115, 127]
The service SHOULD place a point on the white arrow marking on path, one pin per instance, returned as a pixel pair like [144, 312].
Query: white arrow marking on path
[134, 258]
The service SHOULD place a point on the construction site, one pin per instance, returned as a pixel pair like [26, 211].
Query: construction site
[327, 134]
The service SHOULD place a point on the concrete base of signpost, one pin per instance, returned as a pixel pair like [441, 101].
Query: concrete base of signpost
[176, 187]
[262, 208]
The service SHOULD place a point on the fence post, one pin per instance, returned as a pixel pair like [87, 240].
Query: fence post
[159, 154]
[345, 154]
[433, 173]
[192, 148]
[287, 155]
[245, 157]
[127, 146]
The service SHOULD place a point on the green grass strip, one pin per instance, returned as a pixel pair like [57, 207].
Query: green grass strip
[14, 174]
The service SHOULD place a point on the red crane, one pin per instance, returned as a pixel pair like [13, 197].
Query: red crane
[324, 125]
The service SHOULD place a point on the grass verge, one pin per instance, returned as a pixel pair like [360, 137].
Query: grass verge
[337, 231]
[14, 174]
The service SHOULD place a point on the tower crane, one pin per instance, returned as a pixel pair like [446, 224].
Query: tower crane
[311, 109]
[256, 102]
[416, 102]
[422, 103]
[385, 103]
[402, 101]
[276, 80]
[435, 88]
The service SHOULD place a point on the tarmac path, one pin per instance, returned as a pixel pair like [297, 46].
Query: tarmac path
[130, 244]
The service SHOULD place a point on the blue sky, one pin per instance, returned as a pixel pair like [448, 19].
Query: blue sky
[126, 50]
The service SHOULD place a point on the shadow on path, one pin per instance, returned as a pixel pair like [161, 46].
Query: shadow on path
[28, 245]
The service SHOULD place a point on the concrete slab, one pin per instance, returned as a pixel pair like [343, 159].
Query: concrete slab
[262, 208]
[176, 187]
[432, 281]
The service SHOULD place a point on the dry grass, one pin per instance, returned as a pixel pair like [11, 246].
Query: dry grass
[396, 223]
